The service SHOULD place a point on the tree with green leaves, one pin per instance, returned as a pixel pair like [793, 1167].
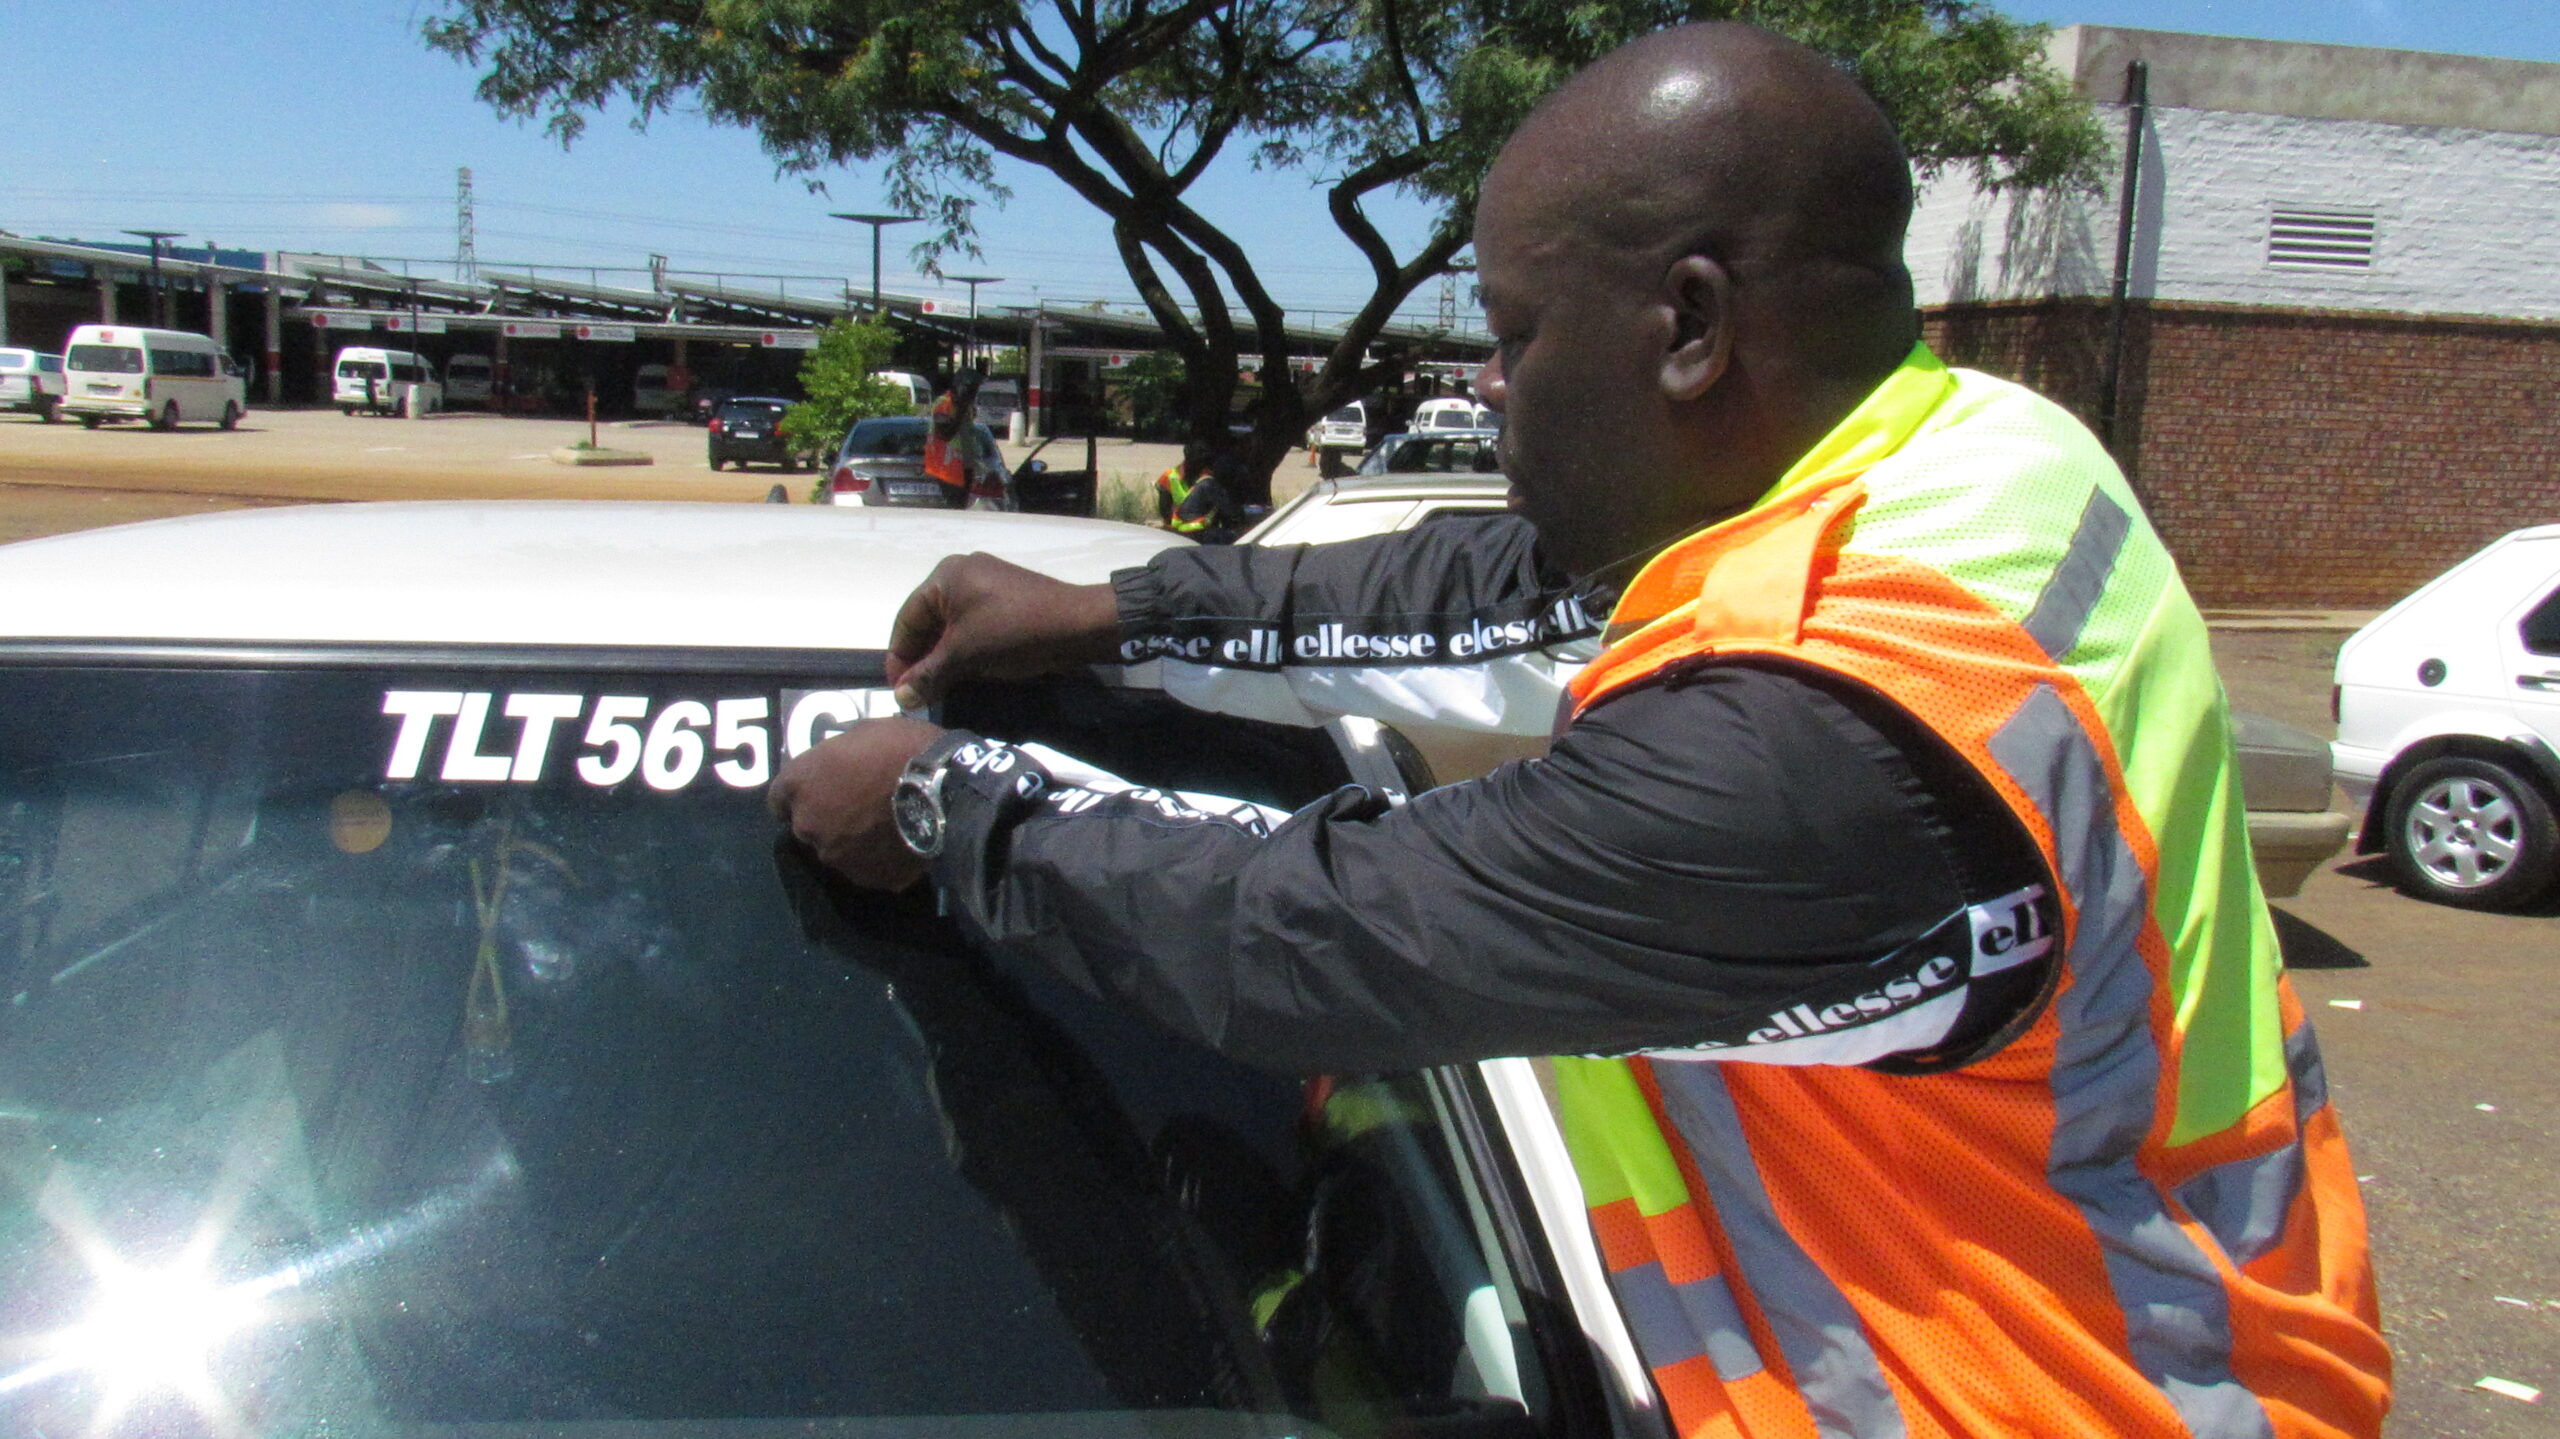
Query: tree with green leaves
[840, 377]
[1153, 385]
[1130, 102]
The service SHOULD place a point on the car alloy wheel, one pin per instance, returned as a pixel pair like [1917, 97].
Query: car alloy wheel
[2474, 833]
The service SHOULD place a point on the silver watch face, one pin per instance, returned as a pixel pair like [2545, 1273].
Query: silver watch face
[918, 815]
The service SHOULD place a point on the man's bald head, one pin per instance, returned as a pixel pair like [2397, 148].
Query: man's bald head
[1734, 143]
[1691, 256]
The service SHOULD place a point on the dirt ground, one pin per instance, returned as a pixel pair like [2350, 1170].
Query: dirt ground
[62, 477]
[2437, 1024]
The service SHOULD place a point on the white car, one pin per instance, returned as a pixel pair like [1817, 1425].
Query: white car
[31, 382]
[2449, 727]
[1346, 428]
[414, 1027]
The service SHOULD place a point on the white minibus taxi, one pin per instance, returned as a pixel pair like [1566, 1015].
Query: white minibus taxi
[386, 382]
[125, 372]
[469, 380]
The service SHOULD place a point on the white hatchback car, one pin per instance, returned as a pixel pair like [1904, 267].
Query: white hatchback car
[2449, 727]
[414, 1026]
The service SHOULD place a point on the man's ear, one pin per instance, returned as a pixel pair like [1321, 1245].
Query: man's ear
[1699, 295]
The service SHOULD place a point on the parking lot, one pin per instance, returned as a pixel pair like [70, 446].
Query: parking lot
[2437, 1022]
[61, 477]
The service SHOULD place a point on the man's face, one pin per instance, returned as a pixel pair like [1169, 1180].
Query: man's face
[1575, 375]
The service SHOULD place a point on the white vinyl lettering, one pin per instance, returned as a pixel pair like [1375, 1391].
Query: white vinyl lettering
[463, 761]
[418, 711]
[738, 729]
[540, 713]
[611, 725]
[819, 713]
[674, 752]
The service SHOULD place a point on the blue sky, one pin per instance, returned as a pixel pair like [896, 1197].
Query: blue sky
[326, 124]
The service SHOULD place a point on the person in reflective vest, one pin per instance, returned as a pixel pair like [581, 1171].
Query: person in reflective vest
[950, 438]
[2055, 1159]
[1174, 486]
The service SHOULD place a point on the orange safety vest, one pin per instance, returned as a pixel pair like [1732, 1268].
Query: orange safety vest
[2138, 1216]
[942, 458]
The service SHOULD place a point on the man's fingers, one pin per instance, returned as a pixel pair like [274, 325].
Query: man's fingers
[920, 622]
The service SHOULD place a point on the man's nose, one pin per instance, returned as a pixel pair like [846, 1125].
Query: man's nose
[1489, 383]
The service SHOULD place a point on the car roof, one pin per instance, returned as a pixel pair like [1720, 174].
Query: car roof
[1357, 489]
[758, 400]
[526, 573]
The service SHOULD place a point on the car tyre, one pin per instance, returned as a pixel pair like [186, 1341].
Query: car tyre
[167, 419]
[50, 407]
[231, 414]
[2472, 833]
[91, 422]
[716, 463]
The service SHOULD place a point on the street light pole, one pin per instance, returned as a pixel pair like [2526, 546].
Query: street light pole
[876, 222]
[970, 351]
[159, 296]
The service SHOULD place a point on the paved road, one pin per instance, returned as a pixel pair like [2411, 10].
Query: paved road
[2456, 1010]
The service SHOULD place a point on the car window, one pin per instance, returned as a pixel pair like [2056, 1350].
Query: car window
[1348, 415]
[363, 370]
[2541, 627]
[886, 438]
[740, 410]
[16, 362]
[106, 359]
[406, 1050]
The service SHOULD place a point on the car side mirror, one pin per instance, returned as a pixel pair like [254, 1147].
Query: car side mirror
[1035, 467]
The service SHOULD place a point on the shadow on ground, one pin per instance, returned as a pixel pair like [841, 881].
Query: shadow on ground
[2307, 946]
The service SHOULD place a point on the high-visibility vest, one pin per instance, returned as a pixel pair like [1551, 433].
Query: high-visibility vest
[1177, 488]
[2138, 1216]
[944, 459]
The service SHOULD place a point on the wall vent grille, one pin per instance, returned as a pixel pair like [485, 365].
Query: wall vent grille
[2301, 238]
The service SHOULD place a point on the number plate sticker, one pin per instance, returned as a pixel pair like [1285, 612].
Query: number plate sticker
[528, 737]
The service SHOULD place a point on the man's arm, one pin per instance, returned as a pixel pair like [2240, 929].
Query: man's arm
[1744, 862]
[1452, 624]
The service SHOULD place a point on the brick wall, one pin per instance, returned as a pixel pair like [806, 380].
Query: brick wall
[2298, 457]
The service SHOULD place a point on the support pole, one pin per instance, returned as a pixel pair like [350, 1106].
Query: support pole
[2137, 99]
[106, 294]
[1035, 384]
[217, 311]
[274, 376]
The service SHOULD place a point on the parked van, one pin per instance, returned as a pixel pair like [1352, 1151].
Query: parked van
[998, 402]
[1451, 412]
[919, 389]
[31, 382]
[649, 392]
[469, 380]
[168, 377]
[385, 382]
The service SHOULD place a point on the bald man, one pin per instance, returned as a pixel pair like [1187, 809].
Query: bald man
[1891, 848]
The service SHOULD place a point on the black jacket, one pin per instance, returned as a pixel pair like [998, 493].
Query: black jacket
[1745, 860]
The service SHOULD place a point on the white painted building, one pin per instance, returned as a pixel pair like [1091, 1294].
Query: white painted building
[2312, 177]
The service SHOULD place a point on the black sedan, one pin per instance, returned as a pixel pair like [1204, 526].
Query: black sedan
[749, 427]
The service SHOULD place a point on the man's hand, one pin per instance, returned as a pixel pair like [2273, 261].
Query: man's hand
[977, 616]
[834, 798]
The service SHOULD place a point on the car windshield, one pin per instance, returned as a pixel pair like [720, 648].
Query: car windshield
[1347, 415]
[107, 359]
[736, 410]
[392, 1052]
[363, 370]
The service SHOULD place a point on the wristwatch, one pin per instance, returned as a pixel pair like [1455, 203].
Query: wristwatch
[915, 804]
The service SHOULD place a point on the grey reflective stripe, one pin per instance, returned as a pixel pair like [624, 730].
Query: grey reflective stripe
[2106, 1073]
[1674, 1323]
[2245, 1202]
[2072, 592]
[1817, 1329]
[2310, 1078]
